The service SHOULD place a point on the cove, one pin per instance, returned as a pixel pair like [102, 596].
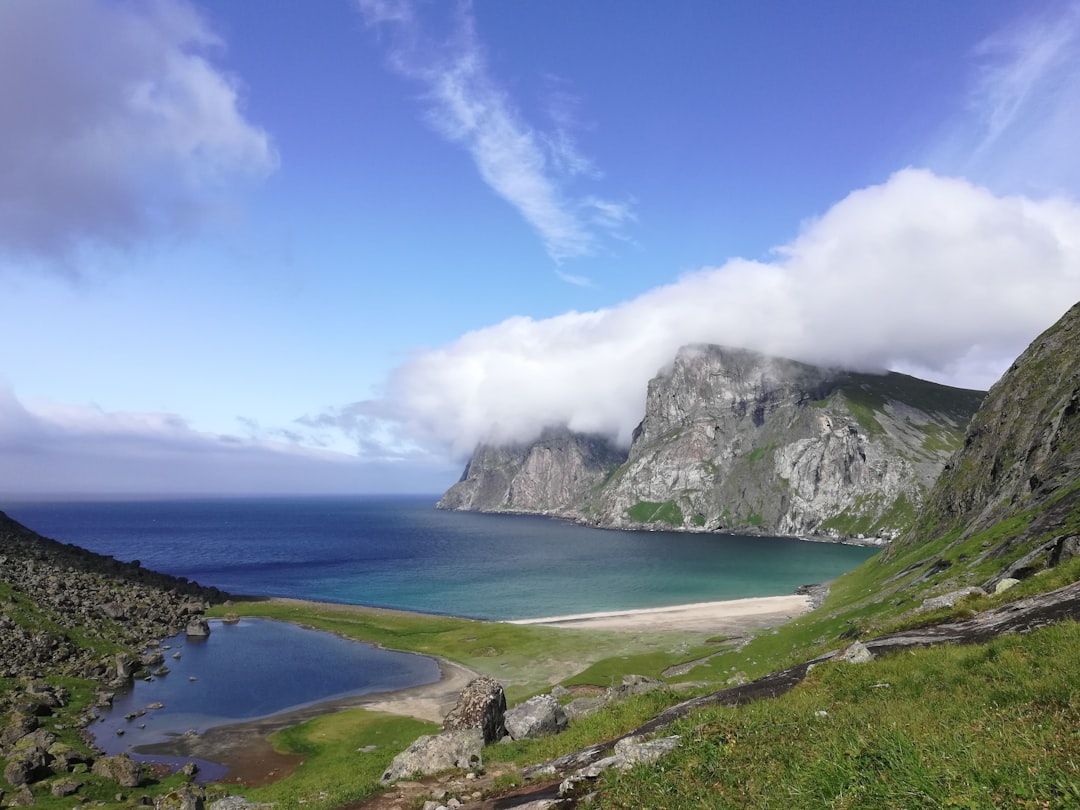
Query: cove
[246, 670]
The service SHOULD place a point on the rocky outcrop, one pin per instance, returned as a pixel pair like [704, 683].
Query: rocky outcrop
[733, 440]
[480, 705]
[438, 752]
[1020, 462]
[57, 592]
[539, 716]
[550, 475]
[62, 607]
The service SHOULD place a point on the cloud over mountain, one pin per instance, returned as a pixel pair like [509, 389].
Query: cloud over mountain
[922, 273]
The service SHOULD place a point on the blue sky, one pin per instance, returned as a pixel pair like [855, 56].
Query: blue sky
[329, 247]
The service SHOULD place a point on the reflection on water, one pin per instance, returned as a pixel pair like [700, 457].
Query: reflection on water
[250, 669]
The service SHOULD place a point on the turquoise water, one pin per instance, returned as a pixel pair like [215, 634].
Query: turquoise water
[400, 552]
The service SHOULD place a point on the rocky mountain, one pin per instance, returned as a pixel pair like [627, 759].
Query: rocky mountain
[549, 476]
[734, 440]
[1008, 502]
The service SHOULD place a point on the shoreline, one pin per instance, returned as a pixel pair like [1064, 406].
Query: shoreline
[244, 748]
[738, 614]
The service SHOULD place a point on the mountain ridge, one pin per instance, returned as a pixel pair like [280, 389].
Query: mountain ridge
[735, 440]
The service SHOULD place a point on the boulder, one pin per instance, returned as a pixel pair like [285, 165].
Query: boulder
[482, 705]
[435, 753]
[950, 599]
[856, 653]
[628, 752]
[1005, 584]
[122, 769]
[18, 726]
[24, 766]
[185, 797]
[636, 685]
[197, 628]
[541, 716]
[65, 786]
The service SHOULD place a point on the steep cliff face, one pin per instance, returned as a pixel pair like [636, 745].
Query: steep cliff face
[736, 440]
[1012, 492]
[733, 440]
[551, 475]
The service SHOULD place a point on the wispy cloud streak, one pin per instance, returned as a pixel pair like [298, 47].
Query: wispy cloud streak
[529, 168]
[1018, 130]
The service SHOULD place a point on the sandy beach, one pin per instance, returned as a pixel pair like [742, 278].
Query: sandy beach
[732, 617]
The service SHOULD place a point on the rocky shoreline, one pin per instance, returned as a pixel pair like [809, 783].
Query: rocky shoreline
[71, 613]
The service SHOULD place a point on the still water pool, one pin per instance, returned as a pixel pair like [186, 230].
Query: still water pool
[253, 668]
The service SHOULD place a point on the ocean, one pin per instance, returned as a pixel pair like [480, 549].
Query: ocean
[400, 552]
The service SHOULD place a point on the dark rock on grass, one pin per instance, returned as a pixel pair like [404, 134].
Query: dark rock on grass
[122, 769]
[481, 705]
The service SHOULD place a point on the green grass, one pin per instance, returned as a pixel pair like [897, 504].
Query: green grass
[864, 409]
[985, 726]
[613, 721]
[650, 512]
[335, 769]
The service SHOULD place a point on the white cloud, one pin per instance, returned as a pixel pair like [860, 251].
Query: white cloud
[921, 273]
[528, 168]
[1018, 130]
[65, 450]
[116, 124]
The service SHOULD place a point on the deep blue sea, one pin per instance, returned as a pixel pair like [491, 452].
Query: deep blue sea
[400, 552]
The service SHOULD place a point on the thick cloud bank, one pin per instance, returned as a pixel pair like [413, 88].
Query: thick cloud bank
[927, 274]
[116, 124]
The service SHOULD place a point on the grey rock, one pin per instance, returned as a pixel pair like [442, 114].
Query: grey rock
[540, 716]
[185, 797]
[1004, 584]
[950, 599]
[584, 706]
[122, 769]
[235, 803]
[482, 705]
[856, 653]
[197, 628]
[65, 786]
[628, 752]
[432, 754]
[549, 475]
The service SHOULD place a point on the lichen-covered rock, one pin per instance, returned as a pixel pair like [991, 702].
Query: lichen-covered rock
[540, 716]
[482, 705]
[951, 598]
[441, 752]
[856, 653]
[65, 786]
[122, 769]
[185, 797]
